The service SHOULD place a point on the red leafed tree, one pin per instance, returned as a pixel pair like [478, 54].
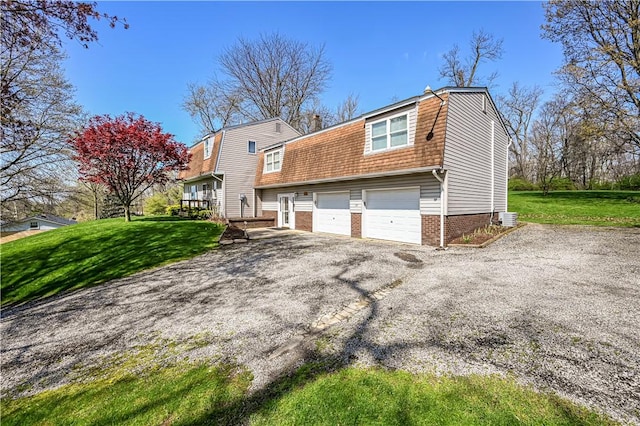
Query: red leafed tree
[127, 154]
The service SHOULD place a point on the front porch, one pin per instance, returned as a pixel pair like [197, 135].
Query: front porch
[195, 204]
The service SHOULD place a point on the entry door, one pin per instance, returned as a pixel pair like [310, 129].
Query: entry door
[286, 216]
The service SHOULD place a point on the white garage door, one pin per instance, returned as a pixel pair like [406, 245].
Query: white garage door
[332, 213]
[393, 215]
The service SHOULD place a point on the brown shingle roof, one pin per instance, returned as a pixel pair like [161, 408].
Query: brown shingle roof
[198, 166]
[339, 153]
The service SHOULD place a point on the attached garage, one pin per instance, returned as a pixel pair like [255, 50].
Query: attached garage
[331, 213]
[393, 214]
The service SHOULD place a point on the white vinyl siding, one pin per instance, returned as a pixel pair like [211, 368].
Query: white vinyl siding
[467, 156]
[239, 168]
[391, 130]
[429, 192]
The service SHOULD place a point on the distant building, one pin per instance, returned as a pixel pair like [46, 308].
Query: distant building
[42, 222]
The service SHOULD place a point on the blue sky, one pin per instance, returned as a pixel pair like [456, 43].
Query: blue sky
[380, 51]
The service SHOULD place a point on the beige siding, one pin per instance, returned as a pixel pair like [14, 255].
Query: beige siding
[467, 156]
[217, 195]
[429, 192]
[411, 124]
[239, 166]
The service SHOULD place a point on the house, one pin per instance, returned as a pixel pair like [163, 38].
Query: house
[42, 222]
[222, 167]
[423, 171]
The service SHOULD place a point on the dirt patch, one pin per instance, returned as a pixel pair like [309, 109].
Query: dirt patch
[233, 232]
[12, 236]
[483, 236]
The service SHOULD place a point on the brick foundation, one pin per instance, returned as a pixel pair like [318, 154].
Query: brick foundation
[356, 225]
[455, 226]
[304, 221]
[431, 230]
[270, 214]
[252, 222]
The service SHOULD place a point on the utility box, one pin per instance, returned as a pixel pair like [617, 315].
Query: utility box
[509, 219]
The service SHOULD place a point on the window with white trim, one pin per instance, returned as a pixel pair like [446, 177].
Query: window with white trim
[207, 148]
[34, 225]
[251, 147]
[390, 133]
[273, 161]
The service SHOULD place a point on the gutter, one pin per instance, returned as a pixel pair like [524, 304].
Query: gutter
[434, 172]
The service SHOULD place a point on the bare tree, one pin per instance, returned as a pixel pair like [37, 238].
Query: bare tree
[556, 126]
[518, 108]
[464, 72]
[37, 106]
[273, 76]
[601, 42]
[348, 108]
[210, 107]
[38, 112]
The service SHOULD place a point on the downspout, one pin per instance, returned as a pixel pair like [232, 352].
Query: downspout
[434, 172]
[506, 190]
[493, 172]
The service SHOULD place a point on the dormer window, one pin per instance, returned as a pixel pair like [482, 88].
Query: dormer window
[207, 148]
[390, 133]
[273, 161]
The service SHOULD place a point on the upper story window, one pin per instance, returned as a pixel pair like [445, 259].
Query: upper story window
[207, 148]
[272, 161]
[251, 147]
[389, 133]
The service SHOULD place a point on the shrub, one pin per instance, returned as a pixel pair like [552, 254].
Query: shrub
[519, 184]
[201, 214]
[562, 184]
[173, 210]
[629, 183]
[156, 204]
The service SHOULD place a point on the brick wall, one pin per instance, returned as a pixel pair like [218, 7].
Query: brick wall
[304, 221]
[270, 214]
[356, 225]
[431, 230]
[455, 226]
[253, 222]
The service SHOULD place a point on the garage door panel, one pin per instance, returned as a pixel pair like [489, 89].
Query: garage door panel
[394, 215]
[394, 200]
[333, 201]
[332, 213]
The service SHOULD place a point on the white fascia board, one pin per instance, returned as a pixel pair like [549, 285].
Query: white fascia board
[355, 177]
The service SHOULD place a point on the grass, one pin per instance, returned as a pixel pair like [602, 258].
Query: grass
[599, 208]
[196, 393]
[136, 390]
[91, 253]
[381, 397]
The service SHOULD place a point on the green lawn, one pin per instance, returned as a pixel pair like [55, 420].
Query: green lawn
[93, 252]
[135, 390]
[599, 208]
[196, 394]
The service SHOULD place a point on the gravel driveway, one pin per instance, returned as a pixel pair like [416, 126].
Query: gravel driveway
[556, 307]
